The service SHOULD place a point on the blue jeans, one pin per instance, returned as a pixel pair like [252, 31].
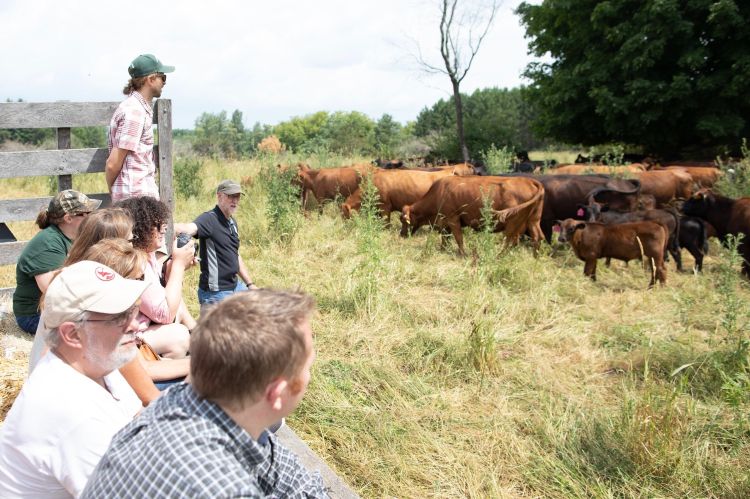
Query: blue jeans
[214, 297]
[28, 323]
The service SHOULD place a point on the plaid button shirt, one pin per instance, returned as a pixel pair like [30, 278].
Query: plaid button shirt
[185, 446]
[131, 128]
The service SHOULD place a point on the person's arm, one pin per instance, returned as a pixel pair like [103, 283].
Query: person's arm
[166, 369]
[140, 380]
[188, 228]
[43, 280]
[182, 258]
[113, 166]
[244, 274]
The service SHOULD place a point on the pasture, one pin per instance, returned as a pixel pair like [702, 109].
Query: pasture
[498, 374]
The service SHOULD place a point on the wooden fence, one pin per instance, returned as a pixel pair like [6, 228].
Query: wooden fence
[65, 162]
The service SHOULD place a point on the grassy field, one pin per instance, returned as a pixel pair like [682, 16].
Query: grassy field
[501, 374]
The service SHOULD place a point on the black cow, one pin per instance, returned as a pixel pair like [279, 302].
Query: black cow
[694, 238]
[726, 215]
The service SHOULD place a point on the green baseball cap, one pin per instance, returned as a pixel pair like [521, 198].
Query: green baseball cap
[72, 202]
[146, 64]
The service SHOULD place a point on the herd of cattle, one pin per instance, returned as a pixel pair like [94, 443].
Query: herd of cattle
[621, 212]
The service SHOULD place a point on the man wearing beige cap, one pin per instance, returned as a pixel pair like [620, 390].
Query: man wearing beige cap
[130, 169]
[222, 270]
[75, 400]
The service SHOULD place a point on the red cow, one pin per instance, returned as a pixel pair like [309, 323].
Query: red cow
[455, 202]
[628, 241]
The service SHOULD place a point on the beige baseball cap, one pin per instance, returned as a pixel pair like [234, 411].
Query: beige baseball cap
[88, 287]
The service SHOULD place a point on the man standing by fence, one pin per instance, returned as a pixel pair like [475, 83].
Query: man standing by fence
[130, 168]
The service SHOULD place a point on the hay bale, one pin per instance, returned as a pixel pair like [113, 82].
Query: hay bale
[12, 376]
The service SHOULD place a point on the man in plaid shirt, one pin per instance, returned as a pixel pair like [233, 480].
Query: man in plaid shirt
[250, 365]
[130, 168]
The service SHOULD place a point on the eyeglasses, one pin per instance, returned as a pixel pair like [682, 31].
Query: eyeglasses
[120, 320]
[162, 76]
[84, 214]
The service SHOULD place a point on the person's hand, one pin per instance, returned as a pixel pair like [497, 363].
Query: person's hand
[185, 255]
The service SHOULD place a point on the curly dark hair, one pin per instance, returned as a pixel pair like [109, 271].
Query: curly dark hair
[147, 213]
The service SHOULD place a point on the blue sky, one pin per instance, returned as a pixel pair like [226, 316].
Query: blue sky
[270, 60]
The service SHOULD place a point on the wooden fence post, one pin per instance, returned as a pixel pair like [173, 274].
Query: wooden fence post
[64, 182]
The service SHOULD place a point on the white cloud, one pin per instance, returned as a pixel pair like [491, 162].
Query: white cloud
[271, 60]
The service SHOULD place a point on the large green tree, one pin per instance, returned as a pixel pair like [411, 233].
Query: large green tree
[492, 116]
[669, 75]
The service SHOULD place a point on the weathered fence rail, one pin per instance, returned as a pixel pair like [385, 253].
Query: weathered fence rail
[65, 162]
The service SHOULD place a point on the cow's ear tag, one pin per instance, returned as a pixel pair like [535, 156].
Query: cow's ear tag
[579, 212]
[556, 228]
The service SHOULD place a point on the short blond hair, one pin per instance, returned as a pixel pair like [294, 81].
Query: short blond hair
[245, 342]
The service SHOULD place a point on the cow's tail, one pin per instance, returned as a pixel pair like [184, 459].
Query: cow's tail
[503, 215]
[640, 245]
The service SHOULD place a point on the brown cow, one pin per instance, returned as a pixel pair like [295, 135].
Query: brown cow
[628, 241]
[582, 169]
[397, 188]
[327, 183]
[666, 185]
[455, 202]
[702, 176]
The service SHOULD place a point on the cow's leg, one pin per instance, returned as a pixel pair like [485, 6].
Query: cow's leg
[608, 261]
[673, 246]
[744, 251]
[698, 257]
[458, 235]
[589, 269]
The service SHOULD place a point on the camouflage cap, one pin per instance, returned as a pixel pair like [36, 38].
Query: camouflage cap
[71, 201]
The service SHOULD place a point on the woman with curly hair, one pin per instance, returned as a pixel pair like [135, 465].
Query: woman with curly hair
[165, 320]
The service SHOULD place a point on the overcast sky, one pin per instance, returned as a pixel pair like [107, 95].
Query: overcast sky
[271, 60]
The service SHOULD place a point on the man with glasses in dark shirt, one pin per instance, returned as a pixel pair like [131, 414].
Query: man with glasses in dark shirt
[250, 366]
[222, 270]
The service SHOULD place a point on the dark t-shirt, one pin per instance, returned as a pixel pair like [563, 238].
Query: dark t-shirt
[219, 251]
[45, 252]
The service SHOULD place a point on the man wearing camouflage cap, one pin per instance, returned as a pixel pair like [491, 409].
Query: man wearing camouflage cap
[222, 270]
[75, 400]
[130, 168]
[46, 252]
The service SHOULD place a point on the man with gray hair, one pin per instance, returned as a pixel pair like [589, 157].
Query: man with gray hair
[250, 365]
[75, 400]
[222, 270]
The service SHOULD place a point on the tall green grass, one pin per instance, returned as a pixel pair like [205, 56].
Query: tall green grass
[499, 374]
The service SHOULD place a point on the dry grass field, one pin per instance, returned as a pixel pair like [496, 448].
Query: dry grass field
[495, 375]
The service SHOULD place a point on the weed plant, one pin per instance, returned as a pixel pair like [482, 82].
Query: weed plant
[735, 182]
[188, 181]
[498, 160]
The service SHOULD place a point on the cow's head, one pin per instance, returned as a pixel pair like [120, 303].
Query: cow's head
[567, 228]
[463, 170]
[346, 211]
[699, 204]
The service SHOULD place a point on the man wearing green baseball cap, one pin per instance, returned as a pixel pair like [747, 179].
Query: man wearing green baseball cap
[130, 168]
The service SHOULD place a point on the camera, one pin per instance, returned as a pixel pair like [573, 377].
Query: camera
[183, 239]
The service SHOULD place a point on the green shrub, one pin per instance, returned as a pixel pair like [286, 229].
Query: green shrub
[188, 180]
[283, 202]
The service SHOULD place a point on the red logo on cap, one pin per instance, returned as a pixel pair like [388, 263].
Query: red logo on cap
[104, 274]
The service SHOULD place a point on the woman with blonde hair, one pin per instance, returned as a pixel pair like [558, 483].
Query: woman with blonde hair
[103, 224]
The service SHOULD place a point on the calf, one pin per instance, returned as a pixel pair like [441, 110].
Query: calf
[628, 241]
[670, 219]
[327, 183]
